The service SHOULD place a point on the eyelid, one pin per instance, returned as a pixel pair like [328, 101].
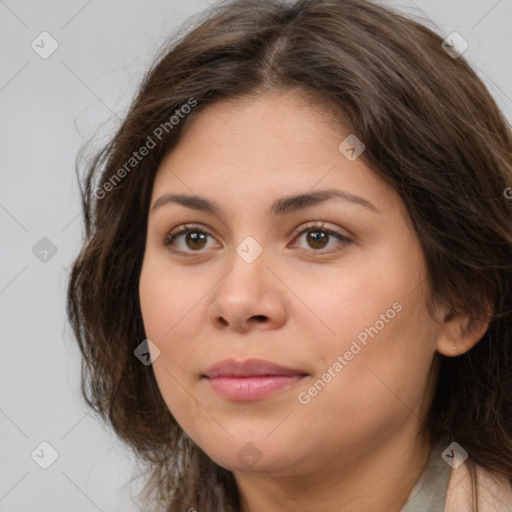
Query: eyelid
[185, 227]
[321, 226]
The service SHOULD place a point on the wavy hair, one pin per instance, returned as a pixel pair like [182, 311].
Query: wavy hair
[432, 131]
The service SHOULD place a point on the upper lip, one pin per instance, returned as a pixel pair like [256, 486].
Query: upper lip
[249, 368]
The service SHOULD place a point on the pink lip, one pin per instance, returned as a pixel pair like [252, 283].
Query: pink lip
[252, 379]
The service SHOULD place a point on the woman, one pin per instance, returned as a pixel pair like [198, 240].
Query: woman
[295, 289]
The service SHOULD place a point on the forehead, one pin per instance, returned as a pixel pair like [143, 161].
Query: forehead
[265, 147]
[273, 119]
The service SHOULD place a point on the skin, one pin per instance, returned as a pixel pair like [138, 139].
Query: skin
[356, 444]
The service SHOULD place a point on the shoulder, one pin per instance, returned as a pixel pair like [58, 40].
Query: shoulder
[492, 493]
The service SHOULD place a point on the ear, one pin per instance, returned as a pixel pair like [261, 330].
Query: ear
[460, 333]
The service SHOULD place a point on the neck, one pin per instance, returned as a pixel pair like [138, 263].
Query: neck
[380, 481]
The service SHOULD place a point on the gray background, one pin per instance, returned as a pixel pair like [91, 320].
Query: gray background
[48, 109]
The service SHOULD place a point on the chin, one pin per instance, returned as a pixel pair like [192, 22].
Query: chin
[254, 456]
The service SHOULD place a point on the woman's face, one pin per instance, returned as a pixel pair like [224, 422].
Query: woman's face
[293, 336]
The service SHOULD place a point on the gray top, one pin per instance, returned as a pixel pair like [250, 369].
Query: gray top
[429, 493]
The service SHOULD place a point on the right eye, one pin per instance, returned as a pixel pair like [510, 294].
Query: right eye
[192, 239]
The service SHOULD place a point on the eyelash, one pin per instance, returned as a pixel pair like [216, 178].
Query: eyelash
[314, 226]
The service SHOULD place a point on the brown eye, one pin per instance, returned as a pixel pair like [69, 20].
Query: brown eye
[195, 240]
[187, 239]
[318, 238]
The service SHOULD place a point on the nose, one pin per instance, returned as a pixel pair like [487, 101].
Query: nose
[248, 297]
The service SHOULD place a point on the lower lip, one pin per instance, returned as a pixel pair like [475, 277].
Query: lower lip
[252, 388]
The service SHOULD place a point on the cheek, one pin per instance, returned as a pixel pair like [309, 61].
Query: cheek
[173, 311]
[382, 342]
[380, 372]
[357, 305]
[168, 317]
[169, 321]
[168, 302]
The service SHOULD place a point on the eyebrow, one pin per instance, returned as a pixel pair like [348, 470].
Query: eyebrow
[279, 208]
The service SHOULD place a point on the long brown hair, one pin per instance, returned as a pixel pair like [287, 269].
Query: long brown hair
[431, 130]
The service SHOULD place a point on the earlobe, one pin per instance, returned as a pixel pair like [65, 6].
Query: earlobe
[460, 333]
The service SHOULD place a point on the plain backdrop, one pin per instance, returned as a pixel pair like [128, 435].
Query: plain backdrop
[49, 107]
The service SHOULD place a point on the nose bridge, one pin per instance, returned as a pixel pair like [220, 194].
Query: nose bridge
[248, 265]
[246, 297]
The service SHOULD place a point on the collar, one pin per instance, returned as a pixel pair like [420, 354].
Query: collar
[429, 493]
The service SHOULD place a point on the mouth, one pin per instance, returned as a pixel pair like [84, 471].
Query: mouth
[252, 379]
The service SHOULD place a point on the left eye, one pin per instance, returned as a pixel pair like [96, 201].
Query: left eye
[318, 237]
[196, 238]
